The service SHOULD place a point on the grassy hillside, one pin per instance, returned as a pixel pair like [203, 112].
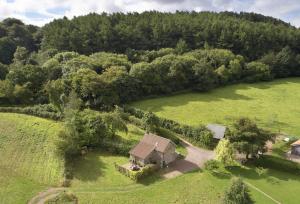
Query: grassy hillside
[273, 105]
[28, 162]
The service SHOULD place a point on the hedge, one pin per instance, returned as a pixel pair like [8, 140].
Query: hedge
[137, 175]
[196, 135]
[43, 111]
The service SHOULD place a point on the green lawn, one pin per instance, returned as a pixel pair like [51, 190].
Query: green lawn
[28, 162]
[28, 165]
[96, 181]
[273, 105]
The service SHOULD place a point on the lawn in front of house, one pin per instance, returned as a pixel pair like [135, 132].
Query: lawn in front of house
[273, 105]
[97, 181]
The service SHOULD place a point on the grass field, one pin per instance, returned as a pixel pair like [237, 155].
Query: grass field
[28, 165]
[96, 181]
[28, 162]
[273, 105]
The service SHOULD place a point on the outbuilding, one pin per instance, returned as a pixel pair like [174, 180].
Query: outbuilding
[217, 130]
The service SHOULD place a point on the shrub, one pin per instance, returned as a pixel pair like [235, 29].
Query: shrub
[237, 193]
[137, 175]
[212, 165]
[43, 111]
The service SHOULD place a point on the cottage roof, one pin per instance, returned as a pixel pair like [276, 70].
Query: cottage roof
[218, 131]
[149, 143]
[297, 143]
[142, 150]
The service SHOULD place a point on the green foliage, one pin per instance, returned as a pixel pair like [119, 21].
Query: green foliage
[204, 76]
[154, 30]
[199, 135]
[212, 165]
[14, 33]
[257, 71]
[181, 47]
[43, 111]
[137, 175]
[248, 138]
[150, 122]
[237, 193]
[3, 71]
[225, 152]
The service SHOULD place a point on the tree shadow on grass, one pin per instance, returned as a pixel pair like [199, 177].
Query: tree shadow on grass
[273, 175]
[89, 167]
[229, 92]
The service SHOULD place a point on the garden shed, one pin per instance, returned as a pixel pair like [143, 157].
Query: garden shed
[217, 130]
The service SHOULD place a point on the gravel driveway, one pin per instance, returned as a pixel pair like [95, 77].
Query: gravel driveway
[196, 157]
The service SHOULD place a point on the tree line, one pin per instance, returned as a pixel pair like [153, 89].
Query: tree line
[102, 79]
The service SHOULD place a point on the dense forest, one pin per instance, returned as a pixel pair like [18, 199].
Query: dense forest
[109, 59]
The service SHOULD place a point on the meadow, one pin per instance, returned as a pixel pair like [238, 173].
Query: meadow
[29, 165]
[28, 162]
[273, 105]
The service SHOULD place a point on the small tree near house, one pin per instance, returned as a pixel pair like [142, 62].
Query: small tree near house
[225, 152]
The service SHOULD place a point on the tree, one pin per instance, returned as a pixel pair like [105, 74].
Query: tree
[181, 47]
[7, 49]
[150, 122]
[248, 138]
[82, 129]
[56, 93]
[237, 193]
[204, 76]
[225, 152]
[285, 63]
[114, 122]
[257, 71]
[6, 89]
[3, 71]
[22, 94]
[21, 56]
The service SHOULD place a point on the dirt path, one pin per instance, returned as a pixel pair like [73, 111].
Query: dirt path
[42, 197]
[196, 157]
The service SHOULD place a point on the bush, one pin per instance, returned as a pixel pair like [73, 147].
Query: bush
[237, 193]
[43, 111]
[137, 175]
[212, 165]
